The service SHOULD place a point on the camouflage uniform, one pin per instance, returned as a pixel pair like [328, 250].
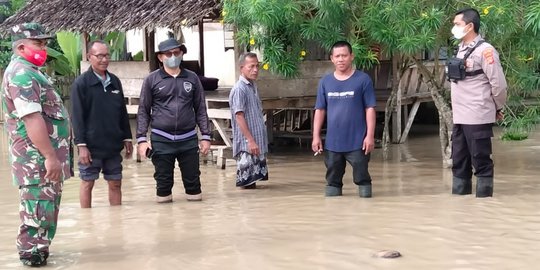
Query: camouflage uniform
[26, 90]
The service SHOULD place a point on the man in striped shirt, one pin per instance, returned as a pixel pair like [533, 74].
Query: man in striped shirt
[250, 142]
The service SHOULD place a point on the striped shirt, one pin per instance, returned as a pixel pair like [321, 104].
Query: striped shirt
[245, 98]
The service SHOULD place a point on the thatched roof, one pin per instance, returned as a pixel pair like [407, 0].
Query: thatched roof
[101, 16]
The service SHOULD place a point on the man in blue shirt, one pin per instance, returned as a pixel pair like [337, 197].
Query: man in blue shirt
[347, 100]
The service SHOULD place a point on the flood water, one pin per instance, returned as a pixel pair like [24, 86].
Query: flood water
[289, 224]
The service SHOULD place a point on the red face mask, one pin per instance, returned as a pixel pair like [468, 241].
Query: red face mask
[37, 58]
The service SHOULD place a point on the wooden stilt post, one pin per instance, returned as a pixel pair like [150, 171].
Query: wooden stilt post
[201, 46]
[150, 41]
[410, 121]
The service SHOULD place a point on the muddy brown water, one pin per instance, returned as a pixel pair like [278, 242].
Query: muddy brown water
[289, 224]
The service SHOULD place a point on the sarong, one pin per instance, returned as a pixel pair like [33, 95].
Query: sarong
[250, 169]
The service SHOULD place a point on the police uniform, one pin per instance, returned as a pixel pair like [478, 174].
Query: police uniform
[26, 90]
[475, 102]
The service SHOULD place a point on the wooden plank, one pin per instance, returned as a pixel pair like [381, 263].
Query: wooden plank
[419, 95]
[220, 99]
[145, 46]
[307, 102]
[220, 94]
[201, 46]
[132, 109]
[215, 104]
[150, 41]
[423, 97]
[270, 126]
[219, 113]
[412, 115]
[223, 153]
[222, 132]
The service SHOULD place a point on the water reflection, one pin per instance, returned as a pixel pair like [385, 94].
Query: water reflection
[288, 224]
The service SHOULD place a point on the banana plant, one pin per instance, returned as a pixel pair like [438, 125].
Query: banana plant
[57, 63]
[116, 41]
[70, 43]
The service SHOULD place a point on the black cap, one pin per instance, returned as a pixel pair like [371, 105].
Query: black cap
[168, 45]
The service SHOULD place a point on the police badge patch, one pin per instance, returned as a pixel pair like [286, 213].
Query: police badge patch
[188, 86]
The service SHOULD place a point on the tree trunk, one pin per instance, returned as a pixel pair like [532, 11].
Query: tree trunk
[436, 88]
[390, 105]
[443, 108]
[445, 126]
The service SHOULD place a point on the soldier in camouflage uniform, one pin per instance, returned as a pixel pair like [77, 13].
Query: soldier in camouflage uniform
[39, 134]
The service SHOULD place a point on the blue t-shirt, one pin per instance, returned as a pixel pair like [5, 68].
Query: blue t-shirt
[345, 103]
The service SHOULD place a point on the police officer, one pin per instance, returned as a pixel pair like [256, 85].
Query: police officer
[477, 101]
[38, 133]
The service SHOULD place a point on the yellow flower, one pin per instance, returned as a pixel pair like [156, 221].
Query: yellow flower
[266, 66]
[525, 58]
[252, 41]
[424, 15]
[302, 53]
[486, 10]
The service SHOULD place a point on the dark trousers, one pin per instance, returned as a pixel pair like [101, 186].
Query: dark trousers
[471, 147]
[335, 167]
[164, 157]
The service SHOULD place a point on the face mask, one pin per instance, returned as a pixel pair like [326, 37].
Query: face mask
[37, 58]
[459, 31]
[172, 62]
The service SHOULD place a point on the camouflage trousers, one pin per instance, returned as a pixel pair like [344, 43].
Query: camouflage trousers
[39, 214]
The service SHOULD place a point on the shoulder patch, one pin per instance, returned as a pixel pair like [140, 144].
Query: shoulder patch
[488, 55]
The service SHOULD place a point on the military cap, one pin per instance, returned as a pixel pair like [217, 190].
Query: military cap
[29, 31]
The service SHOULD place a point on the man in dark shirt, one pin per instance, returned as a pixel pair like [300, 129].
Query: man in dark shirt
[100, 125]
[346, 101]
[172, 104]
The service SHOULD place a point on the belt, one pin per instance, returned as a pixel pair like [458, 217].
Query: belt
[174, 137]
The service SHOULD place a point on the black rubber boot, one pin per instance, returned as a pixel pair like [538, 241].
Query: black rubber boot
[36, 260]
[364, 191]
[461, 186]
[332, 191]
[484, 187]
